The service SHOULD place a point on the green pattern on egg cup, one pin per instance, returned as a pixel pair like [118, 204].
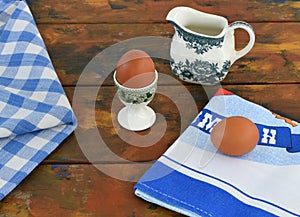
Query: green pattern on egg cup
[136, 95]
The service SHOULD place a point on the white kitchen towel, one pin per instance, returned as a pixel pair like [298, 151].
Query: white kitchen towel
[194, 179]
[35, 114]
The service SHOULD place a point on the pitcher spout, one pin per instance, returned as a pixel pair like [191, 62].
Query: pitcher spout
[176, 17]
[172, 16]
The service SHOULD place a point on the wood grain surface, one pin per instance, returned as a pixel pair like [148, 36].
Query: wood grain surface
[144, 11]
[275, 52]
[92, 173]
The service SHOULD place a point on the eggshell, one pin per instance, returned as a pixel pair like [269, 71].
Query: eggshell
[135, 69]
[235, 136]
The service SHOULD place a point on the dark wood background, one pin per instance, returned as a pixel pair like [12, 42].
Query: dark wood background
[74, 31]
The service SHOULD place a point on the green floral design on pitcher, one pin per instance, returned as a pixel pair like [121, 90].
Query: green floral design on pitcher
[198, 43]
[200, 71]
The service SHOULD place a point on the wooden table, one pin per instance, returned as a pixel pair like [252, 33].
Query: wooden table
[67, 183]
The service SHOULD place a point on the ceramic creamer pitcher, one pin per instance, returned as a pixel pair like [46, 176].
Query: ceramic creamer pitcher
[203, 46]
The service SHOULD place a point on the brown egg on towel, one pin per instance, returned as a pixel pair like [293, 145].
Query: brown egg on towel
[235, 136]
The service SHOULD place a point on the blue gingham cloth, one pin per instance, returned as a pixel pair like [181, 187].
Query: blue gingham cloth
[192, 178]
[35, 115]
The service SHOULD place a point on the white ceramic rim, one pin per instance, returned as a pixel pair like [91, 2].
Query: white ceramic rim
[194, 11]
[138, 88]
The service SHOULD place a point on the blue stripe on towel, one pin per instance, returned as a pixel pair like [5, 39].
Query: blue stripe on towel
[200, 198]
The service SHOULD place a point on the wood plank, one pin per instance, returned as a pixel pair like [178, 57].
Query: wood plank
[78, 190]
[103, 140]
[124, 11]
[274, 58]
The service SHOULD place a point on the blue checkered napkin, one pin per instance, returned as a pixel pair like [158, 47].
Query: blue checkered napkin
[194, 179]
[35, 115]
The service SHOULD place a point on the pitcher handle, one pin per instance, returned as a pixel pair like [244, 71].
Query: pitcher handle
[248, 28]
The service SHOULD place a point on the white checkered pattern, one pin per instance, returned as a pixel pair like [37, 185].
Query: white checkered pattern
[35, 115]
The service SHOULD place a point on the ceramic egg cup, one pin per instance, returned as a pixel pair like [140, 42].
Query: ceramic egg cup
[136, 115]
